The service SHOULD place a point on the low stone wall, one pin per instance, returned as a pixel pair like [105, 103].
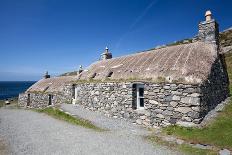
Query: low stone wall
[164, 104]
[41, 99]
[22, 100]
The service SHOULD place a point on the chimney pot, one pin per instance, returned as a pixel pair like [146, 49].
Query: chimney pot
[208, 15]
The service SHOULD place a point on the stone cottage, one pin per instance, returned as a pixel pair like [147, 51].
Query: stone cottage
[171, 85]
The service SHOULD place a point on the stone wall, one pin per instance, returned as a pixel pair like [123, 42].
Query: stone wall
[22, 99]
[41, 99]
[164, 104]
[216, 88]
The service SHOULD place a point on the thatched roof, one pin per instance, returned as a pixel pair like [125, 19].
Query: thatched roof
[191, 62]
[188, 62]
[51, 85]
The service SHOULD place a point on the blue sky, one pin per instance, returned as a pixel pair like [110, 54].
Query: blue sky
[60, 35]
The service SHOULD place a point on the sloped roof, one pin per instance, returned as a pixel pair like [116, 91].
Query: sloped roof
[191, 62]
[54, 84]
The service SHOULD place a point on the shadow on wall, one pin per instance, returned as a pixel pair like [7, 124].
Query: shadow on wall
[216, 88]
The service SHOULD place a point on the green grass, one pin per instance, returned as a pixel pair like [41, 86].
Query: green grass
[2, 103]
[13, 102]
[56, 113]
[228, 58]
[183, 147]
[196, 151]
[218, 133]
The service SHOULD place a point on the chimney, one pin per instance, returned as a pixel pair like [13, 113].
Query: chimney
[46, 76]
[209, 30]
[80, 69]
[106, 54]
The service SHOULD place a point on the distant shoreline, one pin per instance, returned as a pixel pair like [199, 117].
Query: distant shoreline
[9, 89]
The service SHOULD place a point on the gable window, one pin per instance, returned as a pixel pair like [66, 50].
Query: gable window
[93, 76]
[138, 96]
[110, 74]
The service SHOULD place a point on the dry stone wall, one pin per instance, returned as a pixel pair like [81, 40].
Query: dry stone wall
[22, 99]
[216, 89]
[41, 99]
[164, 104]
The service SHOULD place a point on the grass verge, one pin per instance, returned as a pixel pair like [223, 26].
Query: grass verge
[218, 133]
[183, 147]
[2, 103]
[56, 113]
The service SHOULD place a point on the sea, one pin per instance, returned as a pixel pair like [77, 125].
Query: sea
[10, 89]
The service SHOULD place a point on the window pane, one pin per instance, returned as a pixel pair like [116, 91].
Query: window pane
[141, 102]
[141, 92]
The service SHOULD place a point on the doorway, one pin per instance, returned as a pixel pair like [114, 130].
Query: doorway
[49, 99]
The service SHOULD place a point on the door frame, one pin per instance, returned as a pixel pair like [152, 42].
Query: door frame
[139, 97]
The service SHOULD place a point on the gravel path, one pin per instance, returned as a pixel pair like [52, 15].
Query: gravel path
[113, 124]
[28, 132]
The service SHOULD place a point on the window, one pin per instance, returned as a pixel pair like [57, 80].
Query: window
[28, 99]
[138, 96]
[73, 91]
[50, 99]
[110, 74]
[93, 76]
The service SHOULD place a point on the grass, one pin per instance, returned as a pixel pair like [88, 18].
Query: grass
[13, 102]
[183, 147]
[2, 103]
[56, 113]
[228, 58]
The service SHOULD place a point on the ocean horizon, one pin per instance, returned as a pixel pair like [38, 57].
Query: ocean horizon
[10, 89]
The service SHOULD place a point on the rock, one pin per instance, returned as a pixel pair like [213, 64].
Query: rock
[156, 90]
[139, 121]
[176, 92]
[193, 114]
[196, 109]
[219, 107]
[126, 115]
[166, 87]
[148, 114]
[142, 117]
[97, 93]
[188, 119]
[174, 104]
[169, 139]
[200, 146]
[153, 102]
[195, 95]
[190, 100]
[179, 141]
[158, 110]
[183, 109]
[170, 108]
[145, 123]
[172, 120]
[160, 116]
[190, 90]
[186, 124]
[224, 152]
[168, 113]
[176, 98]
[168, 98]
